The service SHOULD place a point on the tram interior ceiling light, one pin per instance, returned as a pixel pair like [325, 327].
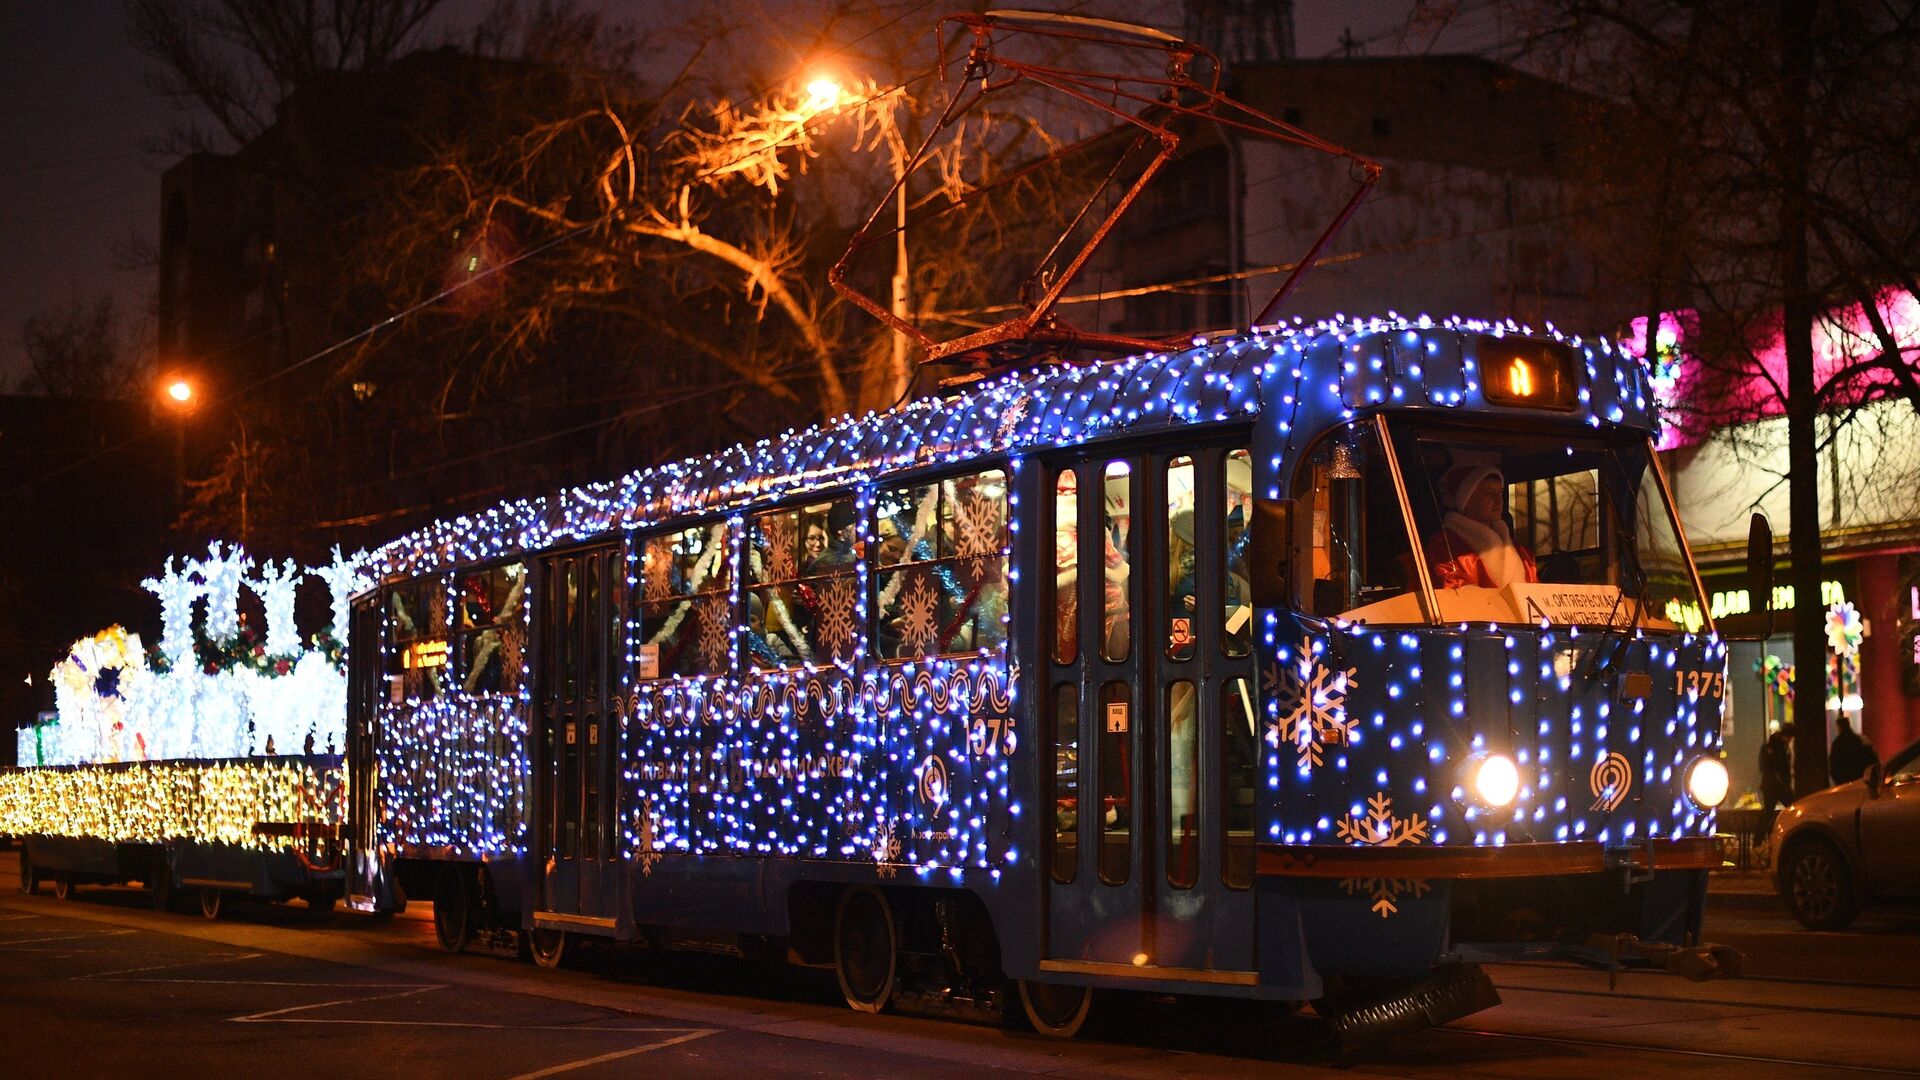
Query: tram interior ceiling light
[1707, 782]
[1493, 780]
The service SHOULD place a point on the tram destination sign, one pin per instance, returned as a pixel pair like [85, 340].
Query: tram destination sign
[1584, 605]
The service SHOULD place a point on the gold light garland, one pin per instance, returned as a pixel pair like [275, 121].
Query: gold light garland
[212, 802]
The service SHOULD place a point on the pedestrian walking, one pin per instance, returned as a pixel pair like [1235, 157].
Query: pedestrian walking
[1850, 756]
[1776, 768]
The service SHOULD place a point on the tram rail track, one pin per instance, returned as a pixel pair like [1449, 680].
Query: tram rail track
[1800, 1008]
[1672, 1051]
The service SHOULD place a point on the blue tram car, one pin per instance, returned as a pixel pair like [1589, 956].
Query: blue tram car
[1297, 665]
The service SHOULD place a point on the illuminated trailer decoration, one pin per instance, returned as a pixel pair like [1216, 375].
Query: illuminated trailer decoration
[158, 802]
[221, 691]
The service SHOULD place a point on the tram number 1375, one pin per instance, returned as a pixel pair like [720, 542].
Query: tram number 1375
[991, 736]
[1700, 683]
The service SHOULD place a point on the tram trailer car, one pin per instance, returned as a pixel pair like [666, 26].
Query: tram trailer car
[1168, 674]
[190, 831]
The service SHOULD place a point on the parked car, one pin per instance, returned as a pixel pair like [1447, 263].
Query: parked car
[1851, 844]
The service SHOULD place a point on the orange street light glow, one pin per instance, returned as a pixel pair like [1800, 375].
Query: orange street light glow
[823, 93]
[180, 390]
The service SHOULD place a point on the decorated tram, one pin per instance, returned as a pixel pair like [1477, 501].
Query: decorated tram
[1289, 666]
[1309, 664]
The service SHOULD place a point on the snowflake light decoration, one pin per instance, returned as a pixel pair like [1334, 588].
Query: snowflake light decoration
[645, 853]
[716, 627]
[979, 521]
[1313, 698]
[919, 625]
[886, 849]
[1386, 892]
[1380, 826]
[834, 622]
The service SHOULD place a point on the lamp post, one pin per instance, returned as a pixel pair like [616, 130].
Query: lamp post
[178, 396]
[825, 93]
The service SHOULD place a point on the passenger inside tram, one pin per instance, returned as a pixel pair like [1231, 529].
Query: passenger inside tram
[1474, 545]
[1494, 512]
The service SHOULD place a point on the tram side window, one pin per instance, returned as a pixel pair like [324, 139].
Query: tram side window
[417, 636]
[802, 586]
[1238, 614]
[619, 664]
[1240, 762]
[686, 610]
[490, 635]
[1360, 551]
[1066, 574]
[940, 566]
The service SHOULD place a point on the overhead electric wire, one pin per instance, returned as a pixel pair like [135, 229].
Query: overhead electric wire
[476, 277]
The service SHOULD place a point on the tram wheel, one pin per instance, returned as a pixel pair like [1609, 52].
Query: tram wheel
[1056, 1009]
[865, 949]
[211, 901]
[319, 900]
[63, 886]
[1819, 886]
[548, 946]
[29, 874]
[452, 909]
[160, 883]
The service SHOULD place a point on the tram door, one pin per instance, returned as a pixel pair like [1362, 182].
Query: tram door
[1150, 715]
[580, 673]
[366, 686]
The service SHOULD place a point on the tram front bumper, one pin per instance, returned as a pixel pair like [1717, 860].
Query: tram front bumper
[1403, 912]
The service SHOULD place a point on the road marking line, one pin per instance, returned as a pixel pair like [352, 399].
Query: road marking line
[17, 918]
[616, 1055]
[452, 1023]
[256, 1018]
[65, 937]
[162, 967]
[277, 982]
[1608, 1044]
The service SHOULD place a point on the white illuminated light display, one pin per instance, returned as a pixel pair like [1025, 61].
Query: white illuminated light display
[114, 706]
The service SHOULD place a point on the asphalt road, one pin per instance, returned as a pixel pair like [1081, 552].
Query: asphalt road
[102, 985]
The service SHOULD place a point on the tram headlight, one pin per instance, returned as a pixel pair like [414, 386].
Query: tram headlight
[1493, 780]
[1707, 782]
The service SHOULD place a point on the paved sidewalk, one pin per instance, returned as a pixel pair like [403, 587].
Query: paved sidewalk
[1742, 889]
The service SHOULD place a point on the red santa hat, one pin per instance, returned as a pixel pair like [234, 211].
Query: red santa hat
[1461, 481]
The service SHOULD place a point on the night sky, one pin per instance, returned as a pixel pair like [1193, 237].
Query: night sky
[79, 175]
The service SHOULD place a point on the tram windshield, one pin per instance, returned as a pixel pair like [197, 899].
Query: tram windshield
[1510, 527]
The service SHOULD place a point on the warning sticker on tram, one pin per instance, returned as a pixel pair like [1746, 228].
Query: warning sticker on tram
[1586, 605]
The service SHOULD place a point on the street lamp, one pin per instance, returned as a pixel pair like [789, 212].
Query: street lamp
[177, 396]
[824, 93]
